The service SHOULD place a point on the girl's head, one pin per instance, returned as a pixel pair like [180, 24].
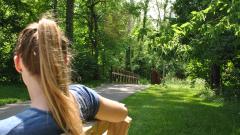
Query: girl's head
[42, 50]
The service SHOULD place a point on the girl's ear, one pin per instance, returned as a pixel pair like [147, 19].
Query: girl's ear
[66, 59]
[17, 63]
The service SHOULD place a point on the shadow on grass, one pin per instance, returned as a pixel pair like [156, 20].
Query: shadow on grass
[175, 111]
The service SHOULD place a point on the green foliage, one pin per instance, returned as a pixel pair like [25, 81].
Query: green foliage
[231, 82]
[183, 8]
[196, 69]
[80, 63]
[193, 39]
[211, 32]
[144, 81]
[133, 8]
[141, 66]
[112, 17]
[15, 15]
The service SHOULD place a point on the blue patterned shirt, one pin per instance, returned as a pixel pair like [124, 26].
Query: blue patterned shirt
[33, 121]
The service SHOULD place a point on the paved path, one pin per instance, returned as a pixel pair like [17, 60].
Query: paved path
[111, 91]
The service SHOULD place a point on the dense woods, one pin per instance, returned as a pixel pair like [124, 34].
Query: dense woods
[185, 39]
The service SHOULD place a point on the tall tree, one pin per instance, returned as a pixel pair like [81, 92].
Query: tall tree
[128, 48]
[143, 30]
[55, 3]
[158, 4]
[69, 19]
[93, 27]
[165, 5]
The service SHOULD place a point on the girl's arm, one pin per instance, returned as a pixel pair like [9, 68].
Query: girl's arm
[111, 111]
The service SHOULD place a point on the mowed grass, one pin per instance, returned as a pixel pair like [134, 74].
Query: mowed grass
[12, 94]
[176, 110]
[18, 93]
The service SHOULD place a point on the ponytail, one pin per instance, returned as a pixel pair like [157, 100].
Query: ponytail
[53, 72]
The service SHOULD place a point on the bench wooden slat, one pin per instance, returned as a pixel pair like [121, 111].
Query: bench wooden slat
[120, 128]
[108, 128]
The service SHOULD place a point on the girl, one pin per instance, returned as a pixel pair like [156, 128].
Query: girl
[41, 56]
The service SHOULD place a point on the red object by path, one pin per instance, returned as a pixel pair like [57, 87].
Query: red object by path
[155, 77]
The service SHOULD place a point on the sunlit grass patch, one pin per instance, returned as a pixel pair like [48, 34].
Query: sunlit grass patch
[176, 110]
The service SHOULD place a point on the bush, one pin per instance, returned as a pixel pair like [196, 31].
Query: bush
[144, 81]
[231, 82]
[83, 67]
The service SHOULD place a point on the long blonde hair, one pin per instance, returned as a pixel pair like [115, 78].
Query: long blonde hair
[43, 50]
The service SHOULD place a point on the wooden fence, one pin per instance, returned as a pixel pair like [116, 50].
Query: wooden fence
[123, 76]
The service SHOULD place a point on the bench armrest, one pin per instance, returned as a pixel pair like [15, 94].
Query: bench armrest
[108, 128]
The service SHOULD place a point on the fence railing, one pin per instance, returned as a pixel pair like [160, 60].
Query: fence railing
[123, 76]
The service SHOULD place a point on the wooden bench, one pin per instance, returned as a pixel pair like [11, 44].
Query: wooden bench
[107, 128]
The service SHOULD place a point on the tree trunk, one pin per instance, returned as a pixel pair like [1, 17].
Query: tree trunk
[128, 49]
[165, 9]
[69, 19]
[145, 10]
[93, 35]
[163, 73]
[128, 58]
[159, 13]
[143, 30]
[55, 3]
[95, 22]
[215, 78]
[104, 62]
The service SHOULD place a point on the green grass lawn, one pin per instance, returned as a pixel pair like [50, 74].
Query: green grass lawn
[18, 93]
[170, 110]
[12, 94]
[176, 110]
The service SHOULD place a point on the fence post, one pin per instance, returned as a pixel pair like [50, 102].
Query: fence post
[111, 74]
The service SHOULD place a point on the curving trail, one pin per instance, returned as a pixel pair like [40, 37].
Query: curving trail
[112, 91]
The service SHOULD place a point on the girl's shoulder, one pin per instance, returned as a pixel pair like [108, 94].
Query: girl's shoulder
[30, 121]
[84, 92]
[9, 124]
[87, 99]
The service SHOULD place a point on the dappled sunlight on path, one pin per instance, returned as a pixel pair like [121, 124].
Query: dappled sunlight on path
[119, 91]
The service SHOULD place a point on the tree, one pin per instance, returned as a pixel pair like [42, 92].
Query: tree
[69, 19]
[213, 35]
[55, 3]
